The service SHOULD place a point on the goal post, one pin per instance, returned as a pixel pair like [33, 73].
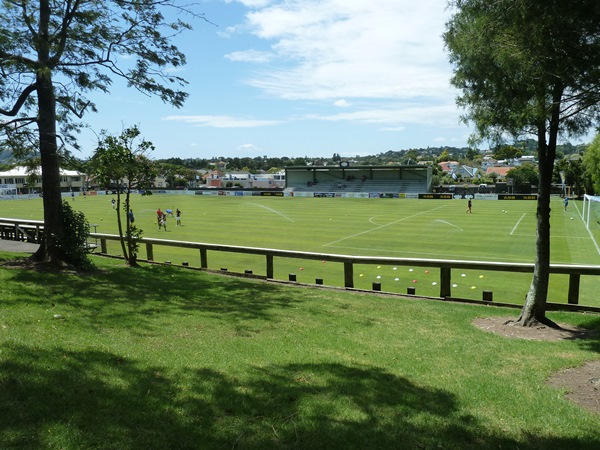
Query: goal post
[590, 213]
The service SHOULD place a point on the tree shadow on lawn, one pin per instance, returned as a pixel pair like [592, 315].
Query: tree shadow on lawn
[91, 399]
[130, 297]
[591, 340]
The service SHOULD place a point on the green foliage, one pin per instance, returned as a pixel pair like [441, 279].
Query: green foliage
[132, 237]
[123, 160]
[84, 43]
[444, 156]
[525, 174]
[507, 152]
[472, 155]
[572, 167]
[514, 59]
[176, 175]
[77, 230]
[591, 161]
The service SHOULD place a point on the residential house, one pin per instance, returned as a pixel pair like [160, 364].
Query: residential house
[19, 179]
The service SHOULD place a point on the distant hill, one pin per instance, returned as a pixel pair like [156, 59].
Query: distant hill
[5, 156]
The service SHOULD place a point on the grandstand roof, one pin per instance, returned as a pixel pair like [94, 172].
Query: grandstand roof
[356, 167]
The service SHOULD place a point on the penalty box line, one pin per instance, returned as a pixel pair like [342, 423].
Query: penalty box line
[588, 230]
[517, 224]
[382, 226]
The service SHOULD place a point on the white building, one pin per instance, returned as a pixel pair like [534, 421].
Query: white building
[19, 180]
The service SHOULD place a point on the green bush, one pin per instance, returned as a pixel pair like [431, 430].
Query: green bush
[77, 232]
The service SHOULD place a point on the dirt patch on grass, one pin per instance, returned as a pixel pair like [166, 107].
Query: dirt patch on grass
[506, 327]
[582, 384]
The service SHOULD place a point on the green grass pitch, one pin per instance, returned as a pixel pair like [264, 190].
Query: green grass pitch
[409, 228]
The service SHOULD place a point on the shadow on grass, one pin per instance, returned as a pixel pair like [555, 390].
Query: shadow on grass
[591, 339]
[130, 297]
[92, 399]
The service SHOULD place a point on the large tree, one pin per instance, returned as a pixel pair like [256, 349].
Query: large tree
[55, 52]
[528, 67]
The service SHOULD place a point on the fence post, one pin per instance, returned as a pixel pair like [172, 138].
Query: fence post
[270, 270]
[573, 298]
[203, 258]
[348, 275]
[445, 278]
[103, 246]
[149, 252]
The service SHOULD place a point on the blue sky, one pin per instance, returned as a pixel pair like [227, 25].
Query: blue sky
[301, 78]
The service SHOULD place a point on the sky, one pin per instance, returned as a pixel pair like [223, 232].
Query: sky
[300, 78]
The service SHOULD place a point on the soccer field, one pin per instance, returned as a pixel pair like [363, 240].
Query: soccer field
[409, 228]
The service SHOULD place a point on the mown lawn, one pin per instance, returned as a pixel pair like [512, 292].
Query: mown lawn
[497, 230]
[164, 357]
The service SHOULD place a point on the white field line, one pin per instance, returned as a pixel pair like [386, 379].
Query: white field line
[382, 226]
[517, 224]
[276, 212]
[451, 224]
[589, 231]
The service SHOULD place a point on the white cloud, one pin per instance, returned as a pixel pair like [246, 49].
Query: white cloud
[175, 69]
[249, 148]
[253, 56]
[331, 49]
[395, 117]
[341, 103]
[222, 121]
[251, 3]
[227, 33]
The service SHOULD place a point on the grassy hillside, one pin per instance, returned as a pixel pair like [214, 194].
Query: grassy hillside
[162, 357]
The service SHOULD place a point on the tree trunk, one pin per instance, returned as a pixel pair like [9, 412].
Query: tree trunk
[534, 309]
[131, 256]
[50, 249]
[54, 233]
[120, 223]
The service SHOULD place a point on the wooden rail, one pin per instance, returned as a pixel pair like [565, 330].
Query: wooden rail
[21, 230]
[32, 231]
[446, 266]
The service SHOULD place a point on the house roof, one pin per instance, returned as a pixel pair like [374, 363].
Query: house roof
[22, 171]
[448, 166]
[501, 171]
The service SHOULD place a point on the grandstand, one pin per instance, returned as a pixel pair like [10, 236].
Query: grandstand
[412, 179]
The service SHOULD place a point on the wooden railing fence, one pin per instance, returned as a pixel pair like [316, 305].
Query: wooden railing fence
[32, 231]
[575, 272]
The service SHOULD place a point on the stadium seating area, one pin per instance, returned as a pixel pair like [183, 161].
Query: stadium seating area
[357, 185]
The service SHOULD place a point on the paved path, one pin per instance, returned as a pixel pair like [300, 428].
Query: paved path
[18, 246]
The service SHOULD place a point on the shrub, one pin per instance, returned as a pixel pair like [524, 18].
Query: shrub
[77, 232]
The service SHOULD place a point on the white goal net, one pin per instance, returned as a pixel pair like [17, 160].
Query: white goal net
[591, 212]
